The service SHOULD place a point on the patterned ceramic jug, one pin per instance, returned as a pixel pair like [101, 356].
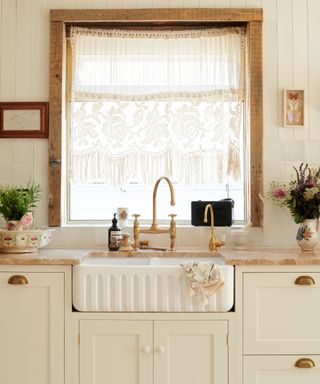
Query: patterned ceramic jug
[307, 235]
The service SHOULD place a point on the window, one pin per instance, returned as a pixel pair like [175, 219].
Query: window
[158, 122]
[146, 104]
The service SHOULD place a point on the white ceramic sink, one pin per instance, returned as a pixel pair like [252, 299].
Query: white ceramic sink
[144, 284]
[150, 261]
[115, 261]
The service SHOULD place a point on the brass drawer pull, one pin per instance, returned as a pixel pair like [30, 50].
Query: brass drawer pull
[18, 280]
[304, 280]
[305, 363]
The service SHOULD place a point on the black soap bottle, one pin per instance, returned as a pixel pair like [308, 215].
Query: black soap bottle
[114, 235]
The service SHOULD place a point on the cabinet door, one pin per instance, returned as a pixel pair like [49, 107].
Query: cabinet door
[32, 328]
[280, 369]
[116, 352]
[191, 352]
[281, 316]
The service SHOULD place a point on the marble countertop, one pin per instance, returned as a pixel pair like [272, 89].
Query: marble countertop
[271, 256]
[250, 256]
[45, 256]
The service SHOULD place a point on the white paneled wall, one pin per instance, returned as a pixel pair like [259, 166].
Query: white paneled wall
[291, 59]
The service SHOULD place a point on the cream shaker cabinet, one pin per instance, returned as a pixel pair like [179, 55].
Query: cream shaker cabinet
[282, 369]
[281, 313]
[281, 323]
[191, 352]
[159, 352]
[116, 352]
[31, 327]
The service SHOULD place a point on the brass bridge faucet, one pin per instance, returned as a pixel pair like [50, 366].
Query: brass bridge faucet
[154, 229]
[213, 243]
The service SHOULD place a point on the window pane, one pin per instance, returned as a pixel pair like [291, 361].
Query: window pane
[146, 107]
[99, 202]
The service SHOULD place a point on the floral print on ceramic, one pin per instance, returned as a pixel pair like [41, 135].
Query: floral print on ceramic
[13, 225]
[26, 220]
[307, 235]
[18, 225]
[24, 241]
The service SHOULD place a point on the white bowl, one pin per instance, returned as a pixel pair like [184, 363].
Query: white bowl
[24, 241]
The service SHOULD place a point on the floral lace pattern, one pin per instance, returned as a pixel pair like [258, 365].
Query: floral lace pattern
[192, 142]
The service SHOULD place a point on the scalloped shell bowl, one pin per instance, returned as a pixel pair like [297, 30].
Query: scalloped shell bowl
[25, 241]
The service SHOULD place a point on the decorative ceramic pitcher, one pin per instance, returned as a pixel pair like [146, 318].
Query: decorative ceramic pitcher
[13, 225]
[18, 225]
[307, 235]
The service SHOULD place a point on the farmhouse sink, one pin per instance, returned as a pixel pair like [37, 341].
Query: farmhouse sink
[144, 284]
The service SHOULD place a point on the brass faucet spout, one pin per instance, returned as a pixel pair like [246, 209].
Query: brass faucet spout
[209, 206]
[213, 243]
[154, 229]
[154, 224]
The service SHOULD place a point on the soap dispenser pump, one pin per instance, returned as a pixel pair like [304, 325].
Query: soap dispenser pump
[114, 235]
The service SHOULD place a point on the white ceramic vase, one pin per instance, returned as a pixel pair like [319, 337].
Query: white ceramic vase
[307, 235]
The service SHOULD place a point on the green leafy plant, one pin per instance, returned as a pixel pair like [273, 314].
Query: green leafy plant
[301, 195]
[16, 200]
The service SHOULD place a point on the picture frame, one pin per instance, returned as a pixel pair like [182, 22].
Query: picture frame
[24, 119]
[294, 108]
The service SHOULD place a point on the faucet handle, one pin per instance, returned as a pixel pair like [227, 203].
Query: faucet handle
[136, 231]
[136, 222]
[172, 231]
[172, 221]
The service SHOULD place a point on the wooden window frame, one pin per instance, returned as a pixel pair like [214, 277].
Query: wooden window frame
[61, 18]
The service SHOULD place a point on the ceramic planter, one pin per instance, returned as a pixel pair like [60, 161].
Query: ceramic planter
[307, 235]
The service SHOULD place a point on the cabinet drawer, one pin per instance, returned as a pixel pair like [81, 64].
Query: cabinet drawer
[281, 313]
[280, 369]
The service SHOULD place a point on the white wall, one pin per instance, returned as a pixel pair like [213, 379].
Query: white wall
[291, 59]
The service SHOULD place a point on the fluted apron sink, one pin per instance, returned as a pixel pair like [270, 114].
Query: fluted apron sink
[144, 284]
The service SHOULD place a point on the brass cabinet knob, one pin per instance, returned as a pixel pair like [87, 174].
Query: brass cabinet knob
[18, 280]
[305, 363]
[304, 280]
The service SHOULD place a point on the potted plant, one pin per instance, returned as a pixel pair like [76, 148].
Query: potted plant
[302, 197]
[17, 203]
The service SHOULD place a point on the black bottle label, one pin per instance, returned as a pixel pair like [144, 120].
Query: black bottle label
[114, 240]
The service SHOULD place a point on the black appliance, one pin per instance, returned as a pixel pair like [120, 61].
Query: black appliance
[223, 213]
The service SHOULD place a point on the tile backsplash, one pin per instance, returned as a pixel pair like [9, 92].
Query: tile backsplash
[97, 237]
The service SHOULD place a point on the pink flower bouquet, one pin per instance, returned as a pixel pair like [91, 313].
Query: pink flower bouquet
[301, 195]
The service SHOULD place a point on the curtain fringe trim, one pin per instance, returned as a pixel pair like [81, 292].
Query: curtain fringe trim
[156, 33]
[230, 95]
[188, 169]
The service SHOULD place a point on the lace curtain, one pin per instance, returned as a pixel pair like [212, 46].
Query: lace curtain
[152, 103]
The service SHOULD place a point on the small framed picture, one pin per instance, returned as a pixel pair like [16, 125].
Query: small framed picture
[293, 107]
[24, 119]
